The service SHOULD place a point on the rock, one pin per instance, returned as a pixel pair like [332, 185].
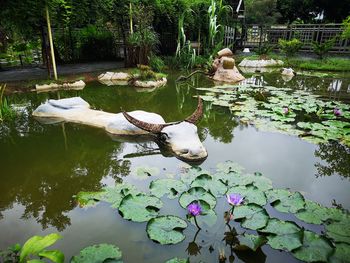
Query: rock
[288, 72]
[260, 63]
[246, 50]
[228, 63]
[150, 83]
[77, 85]
[228, 75]
[226, 52]
[114, 76]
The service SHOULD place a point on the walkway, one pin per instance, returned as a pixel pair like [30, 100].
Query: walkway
[21, 74]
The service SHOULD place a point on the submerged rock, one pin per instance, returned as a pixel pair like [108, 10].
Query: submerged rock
[261, 63]
[77, 85]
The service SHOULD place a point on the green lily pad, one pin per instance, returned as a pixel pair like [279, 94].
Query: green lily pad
[252, 242]
[166, 229]
[197, 194]
[228, 167]
[251, 194]
[253, 216]
[208, 217]
[341, 254]
[98, 253]
[191, 174]
[216, 187]
[339, 231]
[285, 201]
[315, 248]
[235, 179]
[313, 213]
[285, 235]
[146, 172]
[170, 187]
[140, 207]
[88, 199]
[262, 182]
[178, 260]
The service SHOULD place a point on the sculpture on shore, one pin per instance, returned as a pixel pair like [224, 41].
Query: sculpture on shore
[181, 137]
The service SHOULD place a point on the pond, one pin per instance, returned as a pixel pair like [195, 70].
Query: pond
[44, 166]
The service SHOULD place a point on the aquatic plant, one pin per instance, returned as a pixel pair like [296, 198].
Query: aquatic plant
[194, 210]
[6, 111]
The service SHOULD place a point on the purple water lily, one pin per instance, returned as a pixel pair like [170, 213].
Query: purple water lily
[285, 110]
[234, 199]
[194, 209]
[337, 112]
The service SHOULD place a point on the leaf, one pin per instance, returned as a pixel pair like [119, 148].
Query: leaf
[235, 179]
[170, 187]
[285, 235]
[178, 260]
[251, 194]
[315, 248]
[339, 231]
[252, 242]
[54, 255]
[166, 229]
[37, 244]
[140, 207]
[216, 187]
[197, 194]
[88, 199]
[191, 174]
[208, 218]
[146, 171]
[313, 213]
[285, 201]
[262, 182]
[253, 216]
[341, 253]
[228, 167]
[98, 253]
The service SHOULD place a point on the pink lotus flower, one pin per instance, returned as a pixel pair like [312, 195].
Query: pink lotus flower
[234, 199]
[285, 110]
[194, 209]
[337, 112]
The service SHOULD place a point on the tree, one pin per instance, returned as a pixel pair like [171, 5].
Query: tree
[292, 10]
[262, 12]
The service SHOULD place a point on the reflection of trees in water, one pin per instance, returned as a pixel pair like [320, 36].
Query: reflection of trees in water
[336, 157]
[219, 122]
[42, 175]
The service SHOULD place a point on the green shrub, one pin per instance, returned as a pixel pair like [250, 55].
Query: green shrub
[290, 47]
[6, 112]
[156, 63]
[321, 49]
[264, 49]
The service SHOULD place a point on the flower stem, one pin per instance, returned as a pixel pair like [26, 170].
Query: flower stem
[195, 221]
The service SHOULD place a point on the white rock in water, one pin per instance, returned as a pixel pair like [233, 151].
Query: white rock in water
[246, 50]
[120, 76]
[77, 85]
[288, 72]
[151, 83]
[260, 63]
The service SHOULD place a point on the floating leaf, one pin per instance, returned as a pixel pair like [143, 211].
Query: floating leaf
[98, 253]
[286, 235]
[251, 194]
[216, 187]
[285, 201]
[166, 229]
[197, 194]
[170, 187]
[262, 183]
[54, 255]
[88, 199]
[178, 260]
[339, 231]
[341, 253]
[315, 248]
[208, 217]
[192, 174]
[253, 216]
[252, 242]
[228, 167]
[140, 207]
[146, 172]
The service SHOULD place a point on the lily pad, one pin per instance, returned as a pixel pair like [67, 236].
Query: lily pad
[146, 172]
[285, 235]
[252, 242]
[178, 260]
[166, 229]
[208, 218]
[341, 254]
[285, 201]
[98, 253]
[197, 194]
[88, 199]
[228, 167]
[170, 187]
[140, 207]
[251, 194]
[191, 174]
[253, 216]
[339, 231]
[315, 248]
[216, 187]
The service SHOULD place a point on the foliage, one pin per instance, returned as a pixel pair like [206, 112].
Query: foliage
[321, 49]
[156, 63]
[98, 253]
[346, 27]
[290, 47]
[264, 49]
[262, 12]
[6, 111]
[328, 64]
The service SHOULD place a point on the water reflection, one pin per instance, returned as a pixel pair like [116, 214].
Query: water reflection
[335, 160]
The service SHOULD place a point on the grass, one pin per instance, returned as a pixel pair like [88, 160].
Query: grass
[6, 112]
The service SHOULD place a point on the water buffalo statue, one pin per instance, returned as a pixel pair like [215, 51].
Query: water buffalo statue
[181, 137]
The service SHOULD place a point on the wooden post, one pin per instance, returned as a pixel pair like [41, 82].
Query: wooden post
[51, 42]
[131, 25]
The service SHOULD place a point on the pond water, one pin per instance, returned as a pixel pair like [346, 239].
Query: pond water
[44, 166]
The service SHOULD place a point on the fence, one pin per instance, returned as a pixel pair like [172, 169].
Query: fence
[254, 36]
